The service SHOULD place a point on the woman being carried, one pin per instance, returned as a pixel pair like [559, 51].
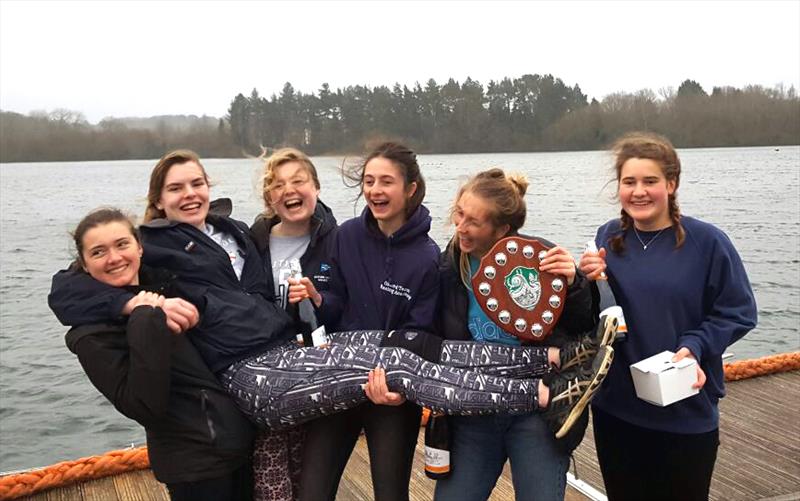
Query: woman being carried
[247, 340]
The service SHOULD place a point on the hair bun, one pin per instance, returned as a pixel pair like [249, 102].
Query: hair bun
[520, 181]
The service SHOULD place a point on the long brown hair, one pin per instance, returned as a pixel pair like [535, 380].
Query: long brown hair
[159, 175]
[505, 195]
[403, 158]
[660, 150]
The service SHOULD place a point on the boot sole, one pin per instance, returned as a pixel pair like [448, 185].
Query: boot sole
[609, 333]
[603, 365]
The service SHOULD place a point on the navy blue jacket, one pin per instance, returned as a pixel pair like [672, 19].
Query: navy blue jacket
[238, 318]
[381, 282]
[315, 261]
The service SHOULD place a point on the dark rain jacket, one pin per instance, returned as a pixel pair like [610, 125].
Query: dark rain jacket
[238, 318]
[194, 430]
[315, 262]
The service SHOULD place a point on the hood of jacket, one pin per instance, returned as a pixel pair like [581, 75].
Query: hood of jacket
[418, 225]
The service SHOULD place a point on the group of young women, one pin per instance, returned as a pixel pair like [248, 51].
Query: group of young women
[188, 325]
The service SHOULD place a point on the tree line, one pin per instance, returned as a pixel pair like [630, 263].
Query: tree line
[529, 113]
[64, 135]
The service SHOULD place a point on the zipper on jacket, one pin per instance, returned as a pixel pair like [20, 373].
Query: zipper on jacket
[209, 422]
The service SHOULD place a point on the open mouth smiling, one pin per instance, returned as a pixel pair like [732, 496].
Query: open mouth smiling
[191, 206]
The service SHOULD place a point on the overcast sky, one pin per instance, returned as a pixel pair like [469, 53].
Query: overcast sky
[153, 58]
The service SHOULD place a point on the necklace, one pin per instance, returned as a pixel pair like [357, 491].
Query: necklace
[645, 245]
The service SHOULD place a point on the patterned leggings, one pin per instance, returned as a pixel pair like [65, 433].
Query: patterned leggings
[287, 386]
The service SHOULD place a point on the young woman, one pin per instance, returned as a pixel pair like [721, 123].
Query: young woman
[198, 442]
[247, 340]
[489, 207]
[385, 277]
[295, 228]
[683, 288]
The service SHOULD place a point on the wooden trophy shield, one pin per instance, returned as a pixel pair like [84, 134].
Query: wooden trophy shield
[514, 294]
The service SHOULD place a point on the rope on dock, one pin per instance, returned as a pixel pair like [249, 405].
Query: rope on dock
[763, 366]
[27, 483]
[68, 472]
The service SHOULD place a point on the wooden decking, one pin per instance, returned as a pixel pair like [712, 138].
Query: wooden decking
[759, 457]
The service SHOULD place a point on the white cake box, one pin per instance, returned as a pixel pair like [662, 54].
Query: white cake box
[661, 382]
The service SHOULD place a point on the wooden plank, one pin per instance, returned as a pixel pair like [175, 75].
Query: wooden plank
[63, 494]
[100, 490]
[139, 486]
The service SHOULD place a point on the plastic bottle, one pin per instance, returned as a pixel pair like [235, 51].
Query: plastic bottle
[608, 303]
[437, 447]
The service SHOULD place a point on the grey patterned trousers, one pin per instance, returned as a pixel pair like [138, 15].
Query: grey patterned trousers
[287, 385]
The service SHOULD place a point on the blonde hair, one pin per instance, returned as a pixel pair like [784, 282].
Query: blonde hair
[278, 158]
[505, 195]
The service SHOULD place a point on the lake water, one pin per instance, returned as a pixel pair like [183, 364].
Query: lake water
[50, 412]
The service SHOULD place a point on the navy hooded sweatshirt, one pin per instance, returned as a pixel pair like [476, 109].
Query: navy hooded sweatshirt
[380, 282]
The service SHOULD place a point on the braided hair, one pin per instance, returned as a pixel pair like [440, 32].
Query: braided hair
[660, 150]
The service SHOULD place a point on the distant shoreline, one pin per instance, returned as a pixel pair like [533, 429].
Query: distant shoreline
[529, 114]
[777, 147]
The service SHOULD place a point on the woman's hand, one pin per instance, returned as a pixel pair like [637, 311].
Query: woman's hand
[701, 376]
[378, 392]
[181, 314]
[593, 264]
[558, 260]
[145, 298]
[303, 289]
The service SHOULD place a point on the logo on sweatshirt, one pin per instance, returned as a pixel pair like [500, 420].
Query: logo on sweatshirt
[524, 287]
[396, 290]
